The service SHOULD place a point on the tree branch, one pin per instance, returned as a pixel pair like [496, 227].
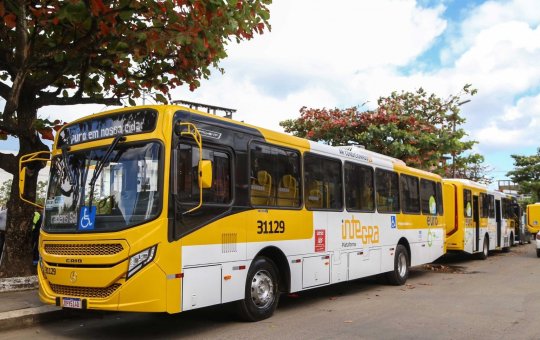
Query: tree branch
[74, 100]
[4, 90]
[20, 61]
[8, 163]
[9, 129]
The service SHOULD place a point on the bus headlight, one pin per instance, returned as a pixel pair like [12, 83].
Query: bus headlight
[141, 259]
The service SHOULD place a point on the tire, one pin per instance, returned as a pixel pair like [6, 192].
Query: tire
[512, 240]
[537, 252]
[506, 250]
[262, 291]
[400, 274]
[485, 250]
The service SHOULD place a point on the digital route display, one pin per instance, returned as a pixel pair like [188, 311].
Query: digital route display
[123, 123]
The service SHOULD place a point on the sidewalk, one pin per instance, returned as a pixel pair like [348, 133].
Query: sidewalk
[20, 305]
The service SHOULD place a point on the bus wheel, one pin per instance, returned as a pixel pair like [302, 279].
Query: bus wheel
[262, 293]
[485, 250]
[537, 252]
[512, 240]
[399, 275]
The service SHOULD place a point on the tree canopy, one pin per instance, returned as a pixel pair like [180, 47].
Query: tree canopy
[105, 52]
[526, 173]
[419, 128]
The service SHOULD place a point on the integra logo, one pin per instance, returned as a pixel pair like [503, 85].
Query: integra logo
[73, 261]
[354, 230]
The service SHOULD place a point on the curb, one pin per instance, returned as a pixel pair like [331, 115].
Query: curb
[12, 284]
[28, 316]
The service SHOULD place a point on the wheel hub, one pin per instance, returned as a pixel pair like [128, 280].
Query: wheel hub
[262, 289]
[402, 265]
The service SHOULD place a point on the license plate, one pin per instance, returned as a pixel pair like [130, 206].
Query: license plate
[72, 303]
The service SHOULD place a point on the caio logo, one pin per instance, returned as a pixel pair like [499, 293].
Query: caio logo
[73, 261]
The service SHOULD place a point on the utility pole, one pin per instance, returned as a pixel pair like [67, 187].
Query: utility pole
[454, 118]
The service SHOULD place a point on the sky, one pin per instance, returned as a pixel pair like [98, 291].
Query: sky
[348, 52]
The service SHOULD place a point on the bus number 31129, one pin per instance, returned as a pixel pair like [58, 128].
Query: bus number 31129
[270, 227]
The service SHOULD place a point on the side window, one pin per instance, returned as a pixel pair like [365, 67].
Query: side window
[410, 198]
[216, 199]
[428, 197]
[440, 206]
[275, 176]
[322, 183]
[467, 203]
[491, 206]
[387, 191]
[484, 204]
[507, 208]
[188, 186]
[359, 193]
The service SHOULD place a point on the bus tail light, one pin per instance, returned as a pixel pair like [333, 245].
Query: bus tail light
[141, 259]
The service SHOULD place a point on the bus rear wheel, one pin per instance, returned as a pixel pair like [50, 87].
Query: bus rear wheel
[262, 291]
[537, 252]
[400, 274]
[485, 250]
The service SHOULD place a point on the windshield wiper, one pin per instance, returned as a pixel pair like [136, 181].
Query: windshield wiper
[65, 150]
[100, 165]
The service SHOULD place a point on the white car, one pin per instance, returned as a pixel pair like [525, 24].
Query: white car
[538, 244]
[3, 219]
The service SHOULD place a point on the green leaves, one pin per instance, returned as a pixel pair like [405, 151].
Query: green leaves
[419, 128]
[526, 173]
[130, 45]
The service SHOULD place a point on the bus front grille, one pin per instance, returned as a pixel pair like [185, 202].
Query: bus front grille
[88, 292]
[83, 249]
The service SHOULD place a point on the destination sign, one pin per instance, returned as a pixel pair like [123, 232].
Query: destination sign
[123, 123]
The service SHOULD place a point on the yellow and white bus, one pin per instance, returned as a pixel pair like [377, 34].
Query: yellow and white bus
[533, 218]
[165, 208]
[477, 219]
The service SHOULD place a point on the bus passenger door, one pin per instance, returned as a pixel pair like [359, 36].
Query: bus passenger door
[476, 218]
[498, 220]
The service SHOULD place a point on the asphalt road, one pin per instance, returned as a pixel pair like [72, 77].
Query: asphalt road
[456, 298]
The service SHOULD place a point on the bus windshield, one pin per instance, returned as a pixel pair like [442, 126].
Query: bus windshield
[126, 190]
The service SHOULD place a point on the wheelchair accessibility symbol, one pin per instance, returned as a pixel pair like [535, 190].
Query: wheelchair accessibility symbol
[87, 218]
[393, 222]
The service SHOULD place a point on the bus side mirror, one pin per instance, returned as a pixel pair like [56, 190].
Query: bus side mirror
[22, 179]
[205, 174]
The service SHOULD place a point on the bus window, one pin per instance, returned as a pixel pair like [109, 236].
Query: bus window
[410, 198]
[359, 187]
[387, 189]
[216, 199]
[491, 206]
[428, 197]
[467, 203]
[440, 206]
[275, 176]
[484, 205]
[322, 183]
[188, 186]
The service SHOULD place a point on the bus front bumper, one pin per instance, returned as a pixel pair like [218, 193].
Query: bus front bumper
[144, 292]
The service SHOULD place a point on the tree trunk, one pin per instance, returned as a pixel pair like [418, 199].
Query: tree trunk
[17, 254]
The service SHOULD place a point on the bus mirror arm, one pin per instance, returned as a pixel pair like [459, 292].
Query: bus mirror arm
[174, 172]
[192, 131]
[40, 156]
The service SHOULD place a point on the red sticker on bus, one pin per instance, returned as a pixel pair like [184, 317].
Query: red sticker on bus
[320, 240]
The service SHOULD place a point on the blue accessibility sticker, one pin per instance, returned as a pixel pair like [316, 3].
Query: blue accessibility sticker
[87, 218]
[393, 222]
